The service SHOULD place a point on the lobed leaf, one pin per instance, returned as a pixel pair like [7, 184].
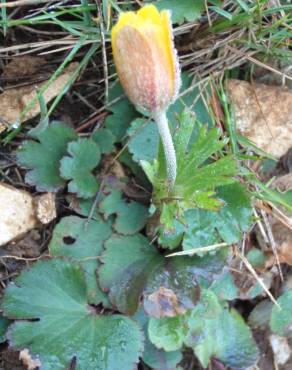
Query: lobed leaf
[64, 327]
[84, 157]
[211, 330]
[222, 334]
[131, 216]
[82, 241]
[197, 178]
[43, 157]
[104, 139]
[133, 269]
[200, 228]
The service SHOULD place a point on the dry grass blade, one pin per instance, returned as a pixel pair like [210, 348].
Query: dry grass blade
[272, 243]
[277, 213]
[255, 275]
[263, 65]
[193, 251]
[104, 54]
[13, 4]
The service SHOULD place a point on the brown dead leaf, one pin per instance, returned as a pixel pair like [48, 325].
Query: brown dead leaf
[12, 102]
[263, 114]
[28, 361]
[18, 213]
[164, 303]
[19, 67]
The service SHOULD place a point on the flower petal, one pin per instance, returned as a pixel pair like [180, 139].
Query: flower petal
[145, 57]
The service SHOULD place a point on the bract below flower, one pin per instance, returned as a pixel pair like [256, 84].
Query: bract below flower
[145, 58]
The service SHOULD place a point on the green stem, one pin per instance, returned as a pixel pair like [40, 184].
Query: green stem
[169, 151]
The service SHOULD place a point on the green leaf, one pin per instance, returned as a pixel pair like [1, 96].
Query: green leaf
[105, 140]
[168, 333]
[261, 314]
[197, 180]
[82, 241]
[256, 258]
[144, 140]
[224, 287]
[181, 10]
[123, 112]
[4, 324]
[217, 332]
[281, 318]
[133, 269]
[152, 356]
[211, 330]
[191, 155]
[200, 228]
[43, 157]
[131, 216]
[65, 327]
[85, 156]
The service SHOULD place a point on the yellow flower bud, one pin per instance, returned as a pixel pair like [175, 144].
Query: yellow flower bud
[145, 58]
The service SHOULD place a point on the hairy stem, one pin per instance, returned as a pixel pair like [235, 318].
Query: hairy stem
[169, 151]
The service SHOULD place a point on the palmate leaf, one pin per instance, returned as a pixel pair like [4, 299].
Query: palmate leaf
[64, 327]
[43, 157]
[200, 228]
[133, 269]
[131, 216]
[194, 145]
[197, 179]
[84, 157]
[128, 217]
[82, 241]
[211, 330]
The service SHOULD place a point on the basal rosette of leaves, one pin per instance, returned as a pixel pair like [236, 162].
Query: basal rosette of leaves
[109, 291]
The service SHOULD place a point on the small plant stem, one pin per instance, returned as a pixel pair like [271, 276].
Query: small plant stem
[169, 151]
